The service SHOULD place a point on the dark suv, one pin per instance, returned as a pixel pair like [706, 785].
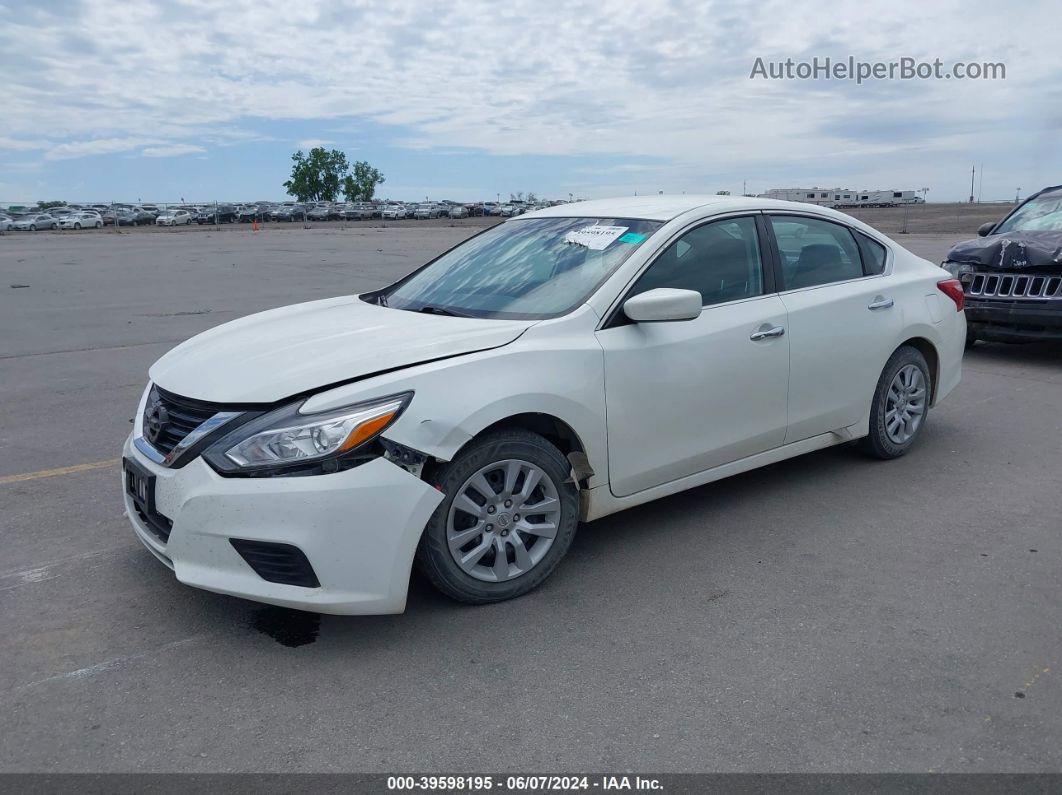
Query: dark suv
[1012, 273]
[226, 214]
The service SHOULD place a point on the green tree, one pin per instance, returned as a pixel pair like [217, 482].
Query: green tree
[318, 175]
[49, 205]
[360, 184]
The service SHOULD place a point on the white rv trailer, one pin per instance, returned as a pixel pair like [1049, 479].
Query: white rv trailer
[807, 195]
[844, 197]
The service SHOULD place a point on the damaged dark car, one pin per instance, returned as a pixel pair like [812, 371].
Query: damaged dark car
[1012, 273]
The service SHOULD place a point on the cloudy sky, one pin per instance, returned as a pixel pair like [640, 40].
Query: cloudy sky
[458, 99]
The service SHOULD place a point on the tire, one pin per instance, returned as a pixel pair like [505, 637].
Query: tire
[491, 457]
[905, 386]
[99, 224]
[33, 227]
[77, 225]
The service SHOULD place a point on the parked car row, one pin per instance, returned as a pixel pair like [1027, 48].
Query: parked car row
[97, 216]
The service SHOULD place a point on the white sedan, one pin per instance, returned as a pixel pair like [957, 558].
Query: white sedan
[175, 218]
[81, 221]
[31, 223]
[553, 369]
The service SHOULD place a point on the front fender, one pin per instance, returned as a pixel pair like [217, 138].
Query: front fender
[455, 399]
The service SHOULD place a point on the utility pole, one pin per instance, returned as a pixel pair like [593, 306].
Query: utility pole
[1017, 194]
[743, 191]
[973, 170]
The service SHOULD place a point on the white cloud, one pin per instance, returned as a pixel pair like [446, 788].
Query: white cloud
[312, 143]
[96, 146]
[171, 150]
[21, 145]
[666, 81]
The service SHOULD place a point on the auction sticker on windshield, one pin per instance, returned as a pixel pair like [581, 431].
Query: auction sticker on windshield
[595, 237]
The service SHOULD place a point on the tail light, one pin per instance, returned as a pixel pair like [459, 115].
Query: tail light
[953, 289]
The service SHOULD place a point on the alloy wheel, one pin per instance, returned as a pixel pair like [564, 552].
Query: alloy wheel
[905, 404]
[503, 520]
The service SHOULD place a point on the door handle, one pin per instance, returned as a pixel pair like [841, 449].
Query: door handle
[766, 333]
[881, 303]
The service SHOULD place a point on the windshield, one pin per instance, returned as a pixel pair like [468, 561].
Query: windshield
[529, 269]
[1042, 214]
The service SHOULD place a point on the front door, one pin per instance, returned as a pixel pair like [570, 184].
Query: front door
[685, 396]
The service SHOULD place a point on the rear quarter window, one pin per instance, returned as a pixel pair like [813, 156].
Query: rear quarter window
[873, 255]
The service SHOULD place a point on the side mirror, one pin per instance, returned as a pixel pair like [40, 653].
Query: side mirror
[986, 229]
[663, 304]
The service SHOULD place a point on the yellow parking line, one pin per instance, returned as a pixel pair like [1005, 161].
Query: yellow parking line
[51, 473]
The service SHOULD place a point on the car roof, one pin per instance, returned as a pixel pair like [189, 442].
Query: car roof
[661, 207]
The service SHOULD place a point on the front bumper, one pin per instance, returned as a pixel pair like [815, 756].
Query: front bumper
[1014, 321]
[359, 530]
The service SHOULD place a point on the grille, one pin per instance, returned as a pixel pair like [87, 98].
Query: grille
[1011, 285]
[281, 563]
[155, 522]
[183, 415]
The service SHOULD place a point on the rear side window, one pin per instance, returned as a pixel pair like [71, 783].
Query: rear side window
[815, 252]
[873, 255]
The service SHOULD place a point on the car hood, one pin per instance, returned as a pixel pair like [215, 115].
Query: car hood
[296, 349]
[1032, 251]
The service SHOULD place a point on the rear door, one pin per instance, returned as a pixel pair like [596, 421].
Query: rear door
[843, 321]
[686, 396]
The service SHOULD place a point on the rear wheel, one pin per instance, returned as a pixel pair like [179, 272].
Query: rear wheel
[901, 403]
[509, 516]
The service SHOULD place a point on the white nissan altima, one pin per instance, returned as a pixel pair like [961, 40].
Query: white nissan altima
[555, 368]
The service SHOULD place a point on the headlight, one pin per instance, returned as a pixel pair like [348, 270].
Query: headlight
[284, 440]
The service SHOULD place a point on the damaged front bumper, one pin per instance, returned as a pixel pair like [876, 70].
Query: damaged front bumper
[357, 529]
[1013, 321]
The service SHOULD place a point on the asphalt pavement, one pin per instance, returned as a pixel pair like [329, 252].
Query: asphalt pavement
[828, 613]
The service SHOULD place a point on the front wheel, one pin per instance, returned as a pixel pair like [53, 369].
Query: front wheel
[509, 516]
[77, 226]
[901, 403]
[33, 227]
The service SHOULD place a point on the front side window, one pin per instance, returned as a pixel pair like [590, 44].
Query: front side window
[815, 252]
[527, 269]
[720, 260]
[1042, 214]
